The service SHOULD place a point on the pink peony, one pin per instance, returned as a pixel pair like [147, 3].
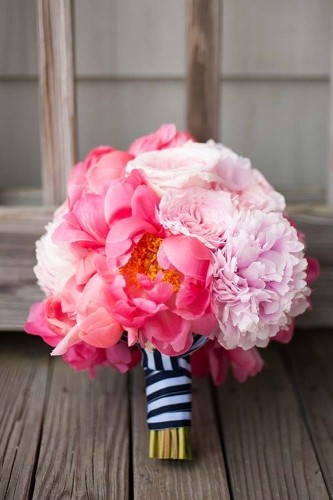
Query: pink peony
[198, 212]
[259, 280]
[236, 175]
[165, 137]
[84, 225]
[212, 359]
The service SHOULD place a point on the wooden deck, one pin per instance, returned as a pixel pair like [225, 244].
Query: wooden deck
[64, 436]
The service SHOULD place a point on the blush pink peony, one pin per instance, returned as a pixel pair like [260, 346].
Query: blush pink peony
[201, 213]
[259, 280]
[178, 168]
[56, 263]
[236, 175]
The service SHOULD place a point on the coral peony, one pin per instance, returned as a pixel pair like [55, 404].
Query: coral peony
[165, 137]
[159, 283]
[82, 356]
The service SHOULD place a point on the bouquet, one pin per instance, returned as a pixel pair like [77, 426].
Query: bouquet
[175, 254]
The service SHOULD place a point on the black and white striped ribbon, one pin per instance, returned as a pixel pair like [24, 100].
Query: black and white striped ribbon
[168, 387]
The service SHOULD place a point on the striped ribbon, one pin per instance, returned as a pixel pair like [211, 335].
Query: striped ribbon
[168, 387]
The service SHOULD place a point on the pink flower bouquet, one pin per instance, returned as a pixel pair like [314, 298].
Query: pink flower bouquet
[176, 254]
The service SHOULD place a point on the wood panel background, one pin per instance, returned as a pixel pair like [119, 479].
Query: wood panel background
[131, 77]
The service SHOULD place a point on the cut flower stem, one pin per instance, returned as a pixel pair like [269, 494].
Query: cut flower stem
[170, 443]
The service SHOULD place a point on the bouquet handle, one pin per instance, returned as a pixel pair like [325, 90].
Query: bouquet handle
[169, 401]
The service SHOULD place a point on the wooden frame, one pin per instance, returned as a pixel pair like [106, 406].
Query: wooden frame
[21, 226]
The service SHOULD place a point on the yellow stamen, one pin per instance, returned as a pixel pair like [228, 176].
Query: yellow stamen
[144, 261]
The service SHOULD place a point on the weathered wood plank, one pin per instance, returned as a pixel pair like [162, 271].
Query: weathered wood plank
[310, 360]
[203, 68]
[23, 382]
[85, 441]
[316, 222]
[18, 54]
[19, 229]
[58, 125]
[258, 119]
[268, 449]
[203, 477]
[329, 184]
[134, 38]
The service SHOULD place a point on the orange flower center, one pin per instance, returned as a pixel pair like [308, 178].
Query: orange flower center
[144, 261]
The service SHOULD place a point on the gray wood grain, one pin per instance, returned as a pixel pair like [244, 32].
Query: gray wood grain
[203, 89]
[268, 448]
[85, 441]
[19, 228]
[310, 361]
[57, 97]
[265, 37]
[281, 126]
[20, 163]
[126, 37]
[18, 40]
[23, 383]
[203, 477]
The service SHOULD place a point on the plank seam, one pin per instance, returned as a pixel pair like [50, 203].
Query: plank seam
[45, 405]
[287, 361]
[222, 442]
[130, 439]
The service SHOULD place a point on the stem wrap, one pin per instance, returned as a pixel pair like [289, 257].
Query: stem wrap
[168, 387]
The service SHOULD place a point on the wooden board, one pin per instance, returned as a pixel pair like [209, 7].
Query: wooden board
[203, 477]
[85, 441]
[139, 38]
[19, 229]
[203, 89]
[268, 448]
[57, 97]
[260, 120]
[23, 384]
[310, 361]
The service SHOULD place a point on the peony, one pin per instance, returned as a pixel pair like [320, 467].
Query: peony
[56, 263]
[178, 168]
[130, 274]
[259, 280]
[82, 356]
[159, 283]
[165, 137]
[197, 212]
[212, 359]
[236, 175]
